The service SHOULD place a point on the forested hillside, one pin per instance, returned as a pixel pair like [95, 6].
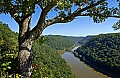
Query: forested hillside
[47, 62]
[102, 51]
[59, 42]
[8, 49]
[50, 62]
[7, 38]
[79, 40]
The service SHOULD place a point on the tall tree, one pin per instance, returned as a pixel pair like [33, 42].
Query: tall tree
[66, 11]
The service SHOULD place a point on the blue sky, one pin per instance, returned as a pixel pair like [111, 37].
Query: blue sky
[81, 26]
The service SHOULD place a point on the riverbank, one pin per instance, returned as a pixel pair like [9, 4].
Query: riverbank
[70, 49]
[60, 52]
[95, 67]
[79, 68]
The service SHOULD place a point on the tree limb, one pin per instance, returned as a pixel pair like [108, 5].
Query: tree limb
[72, 16]
[39, 27]
[114, 16]
[13, 12]
[78, 11]
[42, 23]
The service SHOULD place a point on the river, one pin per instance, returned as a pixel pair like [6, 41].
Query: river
[80, 69]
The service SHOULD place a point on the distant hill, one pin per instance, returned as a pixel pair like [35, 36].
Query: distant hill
[59, 42]
[80, 40]
[55, 41]
[65, 42]
[103, 51]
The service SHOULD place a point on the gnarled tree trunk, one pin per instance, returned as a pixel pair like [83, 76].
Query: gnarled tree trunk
[26, 58]
[26, 40]
[25, 55]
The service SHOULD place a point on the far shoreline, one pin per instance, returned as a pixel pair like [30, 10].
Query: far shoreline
[96, 68]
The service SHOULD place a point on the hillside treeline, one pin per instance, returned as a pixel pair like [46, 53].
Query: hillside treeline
[102, 51]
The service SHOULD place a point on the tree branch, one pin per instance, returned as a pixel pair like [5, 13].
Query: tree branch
[72, 16]
[39, 27]
[42, 23]
[15, 15]
[78, 11]
[12, 11]
[39, 2]
[100, 15]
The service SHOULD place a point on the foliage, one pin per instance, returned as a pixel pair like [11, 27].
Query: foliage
[48, 63]
[59, 42]
[8, 50]
[116, 25]
[103, 51]
[66, 11]
[98, 10]
[75, 53]
[80, 40]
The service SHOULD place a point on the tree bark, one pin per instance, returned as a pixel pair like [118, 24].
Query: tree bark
[25, 55]
[26, 58]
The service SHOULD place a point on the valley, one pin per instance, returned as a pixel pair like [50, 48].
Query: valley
[53, 57]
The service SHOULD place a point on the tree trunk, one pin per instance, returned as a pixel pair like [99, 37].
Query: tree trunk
[26, 39]
[25, 55]
[26, 58]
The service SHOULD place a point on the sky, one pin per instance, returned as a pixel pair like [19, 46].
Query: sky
[81, 26]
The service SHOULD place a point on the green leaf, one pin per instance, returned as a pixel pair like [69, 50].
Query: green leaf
[9, 67]
[4, 64]
[4, 69]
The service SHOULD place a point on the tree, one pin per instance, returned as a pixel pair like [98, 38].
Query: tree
[22, 10]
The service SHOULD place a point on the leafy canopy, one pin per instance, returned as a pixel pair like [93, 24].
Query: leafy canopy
[66, 10]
